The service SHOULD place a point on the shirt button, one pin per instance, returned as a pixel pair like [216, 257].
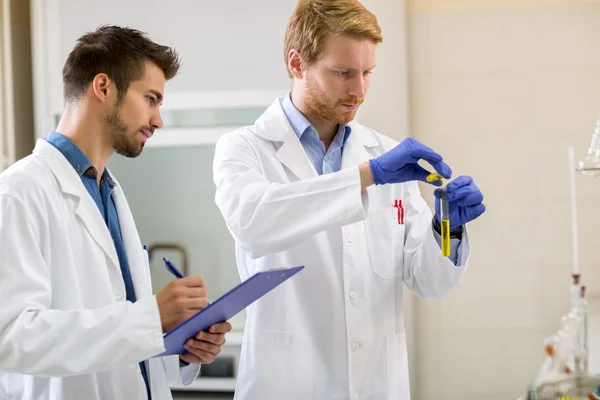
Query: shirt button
[353, 295]
[355, 346]
[355, 396]
[118, 294]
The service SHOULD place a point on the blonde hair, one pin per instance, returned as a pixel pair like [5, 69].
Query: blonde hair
[313, 21]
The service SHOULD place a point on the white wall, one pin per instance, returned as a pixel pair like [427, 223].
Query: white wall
[501, 88]
[237, 45]
[223, 44]
[233, 45]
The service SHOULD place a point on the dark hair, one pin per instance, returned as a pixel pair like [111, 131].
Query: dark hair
[118, 52]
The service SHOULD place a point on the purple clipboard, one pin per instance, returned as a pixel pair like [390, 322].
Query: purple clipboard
[226, 306]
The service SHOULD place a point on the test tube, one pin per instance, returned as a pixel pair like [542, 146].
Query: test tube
[445, 217]
[444, 213]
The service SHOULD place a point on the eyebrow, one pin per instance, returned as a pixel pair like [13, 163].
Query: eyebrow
[158, 94]
[350, 69]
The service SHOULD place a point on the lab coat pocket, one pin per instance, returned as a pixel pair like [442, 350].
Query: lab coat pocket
[397, 367]
[279, 361]
[385, 238]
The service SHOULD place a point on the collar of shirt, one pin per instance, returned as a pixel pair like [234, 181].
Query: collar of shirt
[301, 125]
[75, 156]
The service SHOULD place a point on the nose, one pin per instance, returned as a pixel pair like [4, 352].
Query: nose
[359, 87]
[156, 120]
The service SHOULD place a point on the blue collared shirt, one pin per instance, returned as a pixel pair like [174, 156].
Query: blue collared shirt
[103, 198]
[329, 161]
[324, 161]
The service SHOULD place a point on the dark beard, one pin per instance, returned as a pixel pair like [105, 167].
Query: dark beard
[123, 143]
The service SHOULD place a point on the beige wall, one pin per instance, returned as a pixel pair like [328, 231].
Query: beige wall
[16, 104]
[22, 76]
[415, 6]
[501, 88]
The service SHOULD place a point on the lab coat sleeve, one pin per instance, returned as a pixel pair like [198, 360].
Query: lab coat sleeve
[177, 375]
[266, 217]
[425, 271]
[37, 340]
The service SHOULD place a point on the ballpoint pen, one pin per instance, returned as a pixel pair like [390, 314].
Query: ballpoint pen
[173, 269]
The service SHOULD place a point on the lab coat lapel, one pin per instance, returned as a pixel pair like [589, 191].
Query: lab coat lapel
[355, 149]
[137, 258]
[273, 125]
[292, 155]
[84, 207]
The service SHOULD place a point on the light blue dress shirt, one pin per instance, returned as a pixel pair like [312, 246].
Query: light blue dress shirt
[325, 162]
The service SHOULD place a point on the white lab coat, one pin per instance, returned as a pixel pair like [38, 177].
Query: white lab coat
[66, 331]
[335, 331]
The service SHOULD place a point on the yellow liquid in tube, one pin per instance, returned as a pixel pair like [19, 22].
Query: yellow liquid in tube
[444, 214]
[445, 237]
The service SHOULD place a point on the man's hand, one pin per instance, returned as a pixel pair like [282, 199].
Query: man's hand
[206, 345]
[400, 164]
[181, 299]
[464, 201]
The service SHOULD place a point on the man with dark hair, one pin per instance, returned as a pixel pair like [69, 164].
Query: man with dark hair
[78, 318]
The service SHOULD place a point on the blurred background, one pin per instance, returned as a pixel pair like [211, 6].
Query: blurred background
[500, 88]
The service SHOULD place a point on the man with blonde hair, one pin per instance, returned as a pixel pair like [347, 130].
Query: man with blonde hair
[308, 185]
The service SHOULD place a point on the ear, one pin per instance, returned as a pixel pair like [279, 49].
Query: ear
[103, 87]
[295, 64]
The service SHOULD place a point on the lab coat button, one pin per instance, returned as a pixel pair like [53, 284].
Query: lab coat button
[353, 295]
[355, 346]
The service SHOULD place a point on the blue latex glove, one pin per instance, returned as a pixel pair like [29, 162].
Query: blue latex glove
[464, 201]
[400, 164]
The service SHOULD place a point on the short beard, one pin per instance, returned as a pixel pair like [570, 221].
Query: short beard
[122, 143]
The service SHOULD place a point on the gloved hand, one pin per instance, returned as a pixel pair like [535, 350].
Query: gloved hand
[464, 201]
[400, 164]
